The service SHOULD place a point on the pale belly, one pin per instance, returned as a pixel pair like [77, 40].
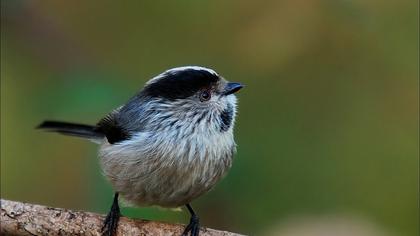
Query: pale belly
[166, 174]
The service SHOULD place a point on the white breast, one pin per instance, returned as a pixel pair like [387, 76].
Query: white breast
[168, 168]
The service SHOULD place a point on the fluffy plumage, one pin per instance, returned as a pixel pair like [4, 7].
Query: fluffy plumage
[179, 147]
[165, 146]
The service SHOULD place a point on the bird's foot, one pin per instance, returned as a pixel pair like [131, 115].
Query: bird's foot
[193, 226]
[111, 221]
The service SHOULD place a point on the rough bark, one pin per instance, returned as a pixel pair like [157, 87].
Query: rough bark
[19, 218]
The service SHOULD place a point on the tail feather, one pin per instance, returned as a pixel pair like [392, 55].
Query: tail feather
[78, 130]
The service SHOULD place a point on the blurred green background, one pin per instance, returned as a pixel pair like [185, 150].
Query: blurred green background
[327, 131]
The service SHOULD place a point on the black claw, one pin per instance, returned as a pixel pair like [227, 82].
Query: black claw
[111, 221]
[194, 225]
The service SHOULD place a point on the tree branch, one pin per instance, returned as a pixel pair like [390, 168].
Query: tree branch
[19, 218]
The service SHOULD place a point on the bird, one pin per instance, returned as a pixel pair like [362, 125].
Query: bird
[168, 144]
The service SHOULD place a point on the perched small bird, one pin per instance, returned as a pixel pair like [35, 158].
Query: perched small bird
[169, 144]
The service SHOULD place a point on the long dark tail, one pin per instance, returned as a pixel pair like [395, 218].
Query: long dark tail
[79, 130]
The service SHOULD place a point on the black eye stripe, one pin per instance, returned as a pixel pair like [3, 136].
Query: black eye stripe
[181, 84]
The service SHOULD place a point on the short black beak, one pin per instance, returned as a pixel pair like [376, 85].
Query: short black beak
[231, 88]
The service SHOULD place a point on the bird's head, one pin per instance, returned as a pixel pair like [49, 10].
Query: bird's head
[196, 94]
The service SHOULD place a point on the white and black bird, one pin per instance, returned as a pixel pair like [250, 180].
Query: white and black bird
[169, 144]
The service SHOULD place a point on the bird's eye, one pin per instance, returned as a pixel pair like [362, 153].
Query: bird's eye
[205, 95]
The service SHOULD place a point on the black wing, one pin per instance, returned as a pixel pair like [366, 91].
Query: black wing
[112, 128]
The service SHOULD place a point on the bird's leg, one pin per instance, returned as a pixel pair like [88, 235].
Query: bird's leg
[194, 225]
[111, 221]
